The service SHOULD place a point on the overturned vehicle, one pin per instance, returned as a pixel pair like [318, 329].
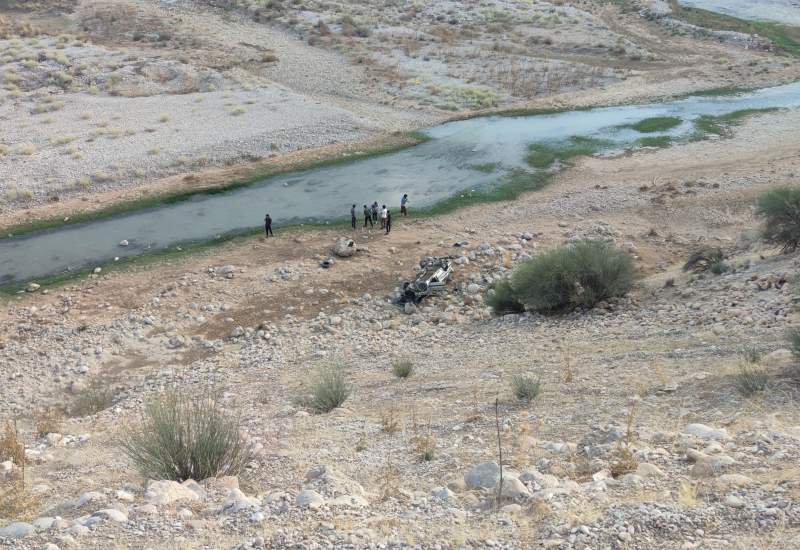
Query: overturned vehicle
[431, 279]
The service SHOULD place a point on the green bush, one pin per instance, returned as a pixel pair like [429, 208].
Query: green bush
[526, 387]
[780, 209]
[186, 437]
[329, 390]
[501, 298]
[579, 275]
[403, 368]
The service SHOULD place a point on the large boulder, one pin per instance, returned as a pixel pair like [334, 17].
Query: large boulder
[345, 248]
[16, 530]
[483, 476]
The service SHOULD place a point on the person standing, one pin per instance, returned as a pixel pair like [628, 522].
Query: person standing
[368, 217]
[384, 213]
[388, 221]
[268, 226]
[353, 216]
[375, 212]
[403, 203]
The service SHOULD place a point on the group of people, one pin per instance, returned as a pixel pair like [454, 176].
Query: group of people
[371, 216]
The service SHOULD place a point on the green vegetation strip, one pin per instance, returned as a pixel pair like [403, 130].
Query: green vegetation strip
[656, 124]
[156, 200]
[543, 155]
[786, 38]
[720, 125]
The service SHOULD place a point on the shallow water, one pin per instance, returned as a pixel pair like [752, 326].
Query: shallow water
[777, 11]
[429, 173]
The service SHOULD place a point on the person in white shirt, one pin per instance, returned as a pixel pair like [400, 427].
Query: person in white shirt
[384, 214]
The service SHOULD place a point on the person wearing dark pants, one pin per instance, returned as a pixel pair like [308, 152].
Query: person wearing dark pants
[268, 226]
[403, 205]
[353, 216]
[388, 221]
[368, 217]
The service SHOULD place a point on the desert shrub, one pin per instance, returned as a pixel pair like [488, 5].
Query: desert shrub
[780, 209]
[579, 275]
[501, 298]
[403, 368]
[705, 259]
[49, 421]
[750, 378]
[329, 390]
[525, 387]
[94, 398]
[182, 437]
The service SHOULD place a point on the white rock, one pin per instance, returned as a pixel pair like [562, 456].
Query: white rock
[124, 496]
[112, 514]
[706, 432]
[90, 496]
[164, 492]
[124, 242]
[353, 501]
[734, 501]
[514, 488]
[236, 501]
[309, 498]
[43, 523]
[185, 513]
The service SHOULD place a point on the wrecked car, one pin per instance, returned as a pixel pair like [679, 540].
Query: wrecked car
[431, 279]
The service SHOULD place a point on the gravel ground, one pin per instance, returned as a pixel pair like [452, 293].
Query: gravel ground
[654, 372]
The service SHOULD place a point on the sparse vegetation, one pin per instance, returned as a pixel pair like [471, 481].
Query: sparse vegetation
[705, 259]
[96, 397]
[721, 125]
[329, 390]
[543, 155]
[11, 446]
[403, 368]
[780, 209]
[526, 387]
[578, 275]
[184, 436]
[656, 124]
[49, 421]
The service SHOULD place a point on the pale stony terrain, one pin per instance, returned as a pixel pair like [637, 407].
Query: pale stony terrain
[147, 89]
[715, 469]
[102, 97]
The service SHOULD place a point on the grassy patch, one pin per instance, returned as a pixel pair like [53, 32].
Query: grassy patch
[721, 125]
[486, 168]
[656, 124]
[543, 155]
[510, 186]
[785, 38]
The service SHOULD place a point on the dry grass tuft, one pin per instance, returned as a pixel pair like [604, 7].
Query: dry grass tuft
[390, 420]
[11, 446]
[49, 421]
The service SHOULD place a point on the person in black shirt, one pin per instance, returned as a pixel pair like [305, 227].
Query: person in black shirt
[388, 221]
[353, 216]
[268, 226]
